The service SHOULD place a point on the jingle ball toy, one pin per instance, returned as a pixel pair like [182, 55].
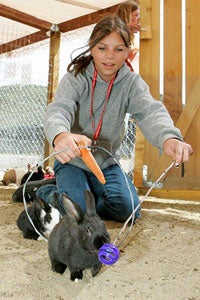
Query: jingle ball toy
[108, 254]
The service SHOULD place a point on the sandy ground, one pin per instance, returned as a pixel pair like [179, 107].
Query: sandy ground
[159, 260]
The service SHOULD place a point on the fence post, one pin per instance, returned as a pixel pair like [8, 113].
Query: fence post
[53, 77]
[149, 70]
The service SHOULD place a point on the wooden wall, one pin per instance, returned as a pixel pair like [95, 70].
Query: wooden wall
[184, 182]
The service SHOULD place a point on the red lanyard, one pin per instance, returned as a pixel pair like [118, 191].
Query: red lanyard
[99, 125]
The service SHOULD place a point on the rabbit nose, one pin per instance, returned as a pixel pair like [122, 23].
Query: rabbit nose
[99, 241]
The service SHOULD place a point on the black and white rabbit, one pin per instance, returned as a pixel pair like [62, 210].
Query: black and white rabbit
[44, 217]
[75, 240]
[30, 190]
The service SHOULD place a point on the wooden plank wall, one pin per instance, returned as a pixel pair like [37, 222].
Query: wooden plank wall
[193, 85]
[149, 64]
[185, 180]
[145, 154]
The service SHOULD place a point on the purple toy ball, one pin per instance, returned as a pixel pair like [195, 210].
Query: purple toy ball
[108, 254]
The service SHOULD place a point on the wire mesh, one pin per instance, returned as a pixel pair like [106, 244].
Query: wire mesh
[23, 98]
[23, 94]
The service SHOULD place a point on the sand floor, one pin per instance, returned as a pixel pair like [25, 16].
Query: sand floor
[159, 260]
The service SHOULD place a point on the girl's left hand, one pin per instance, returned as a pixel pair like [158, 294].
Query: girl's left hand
[179, 151]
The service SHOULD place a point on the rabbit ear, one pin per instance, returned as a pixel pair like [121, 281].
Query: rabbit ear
[43, 204]
[40, 170]
[57, 203]
[55, 200]
[72, 208]
[90, 203]
[29, 167]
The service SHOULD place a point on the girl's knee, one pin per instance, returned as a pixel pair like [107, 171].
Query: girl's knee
[118, 208]
[46, 192]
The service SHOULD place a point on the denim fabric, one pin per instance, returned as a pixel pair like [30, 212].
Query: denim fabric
[113, 200]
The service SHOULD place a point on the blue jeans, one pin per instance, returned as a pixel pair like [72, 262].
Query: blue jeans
[113, 200]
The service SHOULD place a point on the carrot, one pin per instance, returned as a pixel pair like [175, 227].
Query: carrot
[90, 162]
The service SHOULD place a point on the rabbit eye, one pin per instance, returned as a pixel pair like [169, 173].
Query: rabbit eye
[88, 231]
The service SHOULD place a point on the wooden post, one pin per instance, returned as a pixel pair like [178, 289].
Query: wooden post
[192, 77]
[173, 57]
[184, 123]
[53, 77]
[149, 70]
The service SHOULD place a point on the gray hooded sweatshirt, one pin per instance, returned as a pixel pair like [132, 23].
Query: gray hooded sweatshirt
[70, 112]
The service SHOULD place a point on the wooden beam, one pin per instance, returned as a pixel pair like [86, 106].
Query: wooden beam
[192, 38]
[145, 154]
[145, 67]
[23, 18]
[54, 63]
[24, 41]
[191, 195]
[192, 73]
[86, 20]
[190, 110]
[64, 27]
[172, 62]
[139, 158]
[183, 123]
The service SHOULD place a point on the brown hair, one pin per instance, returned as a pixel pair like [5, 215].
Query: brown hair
[102, 29]
[124, 12]
[125, 9]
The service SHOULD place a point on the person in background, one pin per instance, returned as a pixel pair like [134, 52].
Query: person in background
[129, 12]
[90, 105]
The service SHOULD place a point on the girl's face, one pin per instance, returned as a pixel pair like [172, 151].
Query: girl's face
[134, 23]
[109, 55]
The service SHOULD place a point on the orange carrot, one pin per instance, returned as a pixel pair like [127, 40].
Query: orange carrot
[90, 162]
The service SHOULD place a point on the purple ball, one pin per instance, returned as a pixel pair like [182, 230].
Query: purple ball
[108, 254]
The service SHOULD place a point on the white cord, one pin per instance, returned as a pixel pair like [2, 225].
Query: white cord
[131, 217]
[24, 188]
[26, 209]
[148, 192]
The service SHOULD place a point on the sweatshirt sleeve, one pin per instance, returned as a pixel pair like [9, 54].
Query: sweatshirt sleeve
[152, 116]
[59, 115]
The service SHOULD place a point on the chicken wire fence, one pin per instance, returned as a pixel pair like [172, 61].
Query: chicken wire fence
[23, 98]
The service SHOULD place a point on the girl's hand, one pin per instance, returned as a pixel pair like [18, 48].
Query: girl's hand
[68, 141]
[132, 54]
[134, 28]
[179, 151]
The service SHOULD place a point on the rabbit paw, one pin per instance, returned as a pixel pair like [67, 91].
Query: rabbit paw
[76, 275]
[58, 267]
[96, 268]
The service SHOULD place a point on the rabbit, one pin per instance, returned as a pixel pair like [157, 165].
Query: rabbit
[49, 172]
[75, 240]
[35, 175]
[30, 190]
[44, 217]
[13, 176]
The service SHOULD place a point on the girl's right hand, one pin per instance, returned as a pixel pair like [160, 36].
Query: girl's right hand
[68, 141]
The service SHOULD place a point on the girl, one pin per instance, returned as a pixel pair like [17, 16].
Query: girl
[90, 105]
[129, 12]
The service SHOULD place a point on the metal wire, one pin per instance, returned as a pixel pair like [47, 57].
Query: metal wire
[131, 217]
